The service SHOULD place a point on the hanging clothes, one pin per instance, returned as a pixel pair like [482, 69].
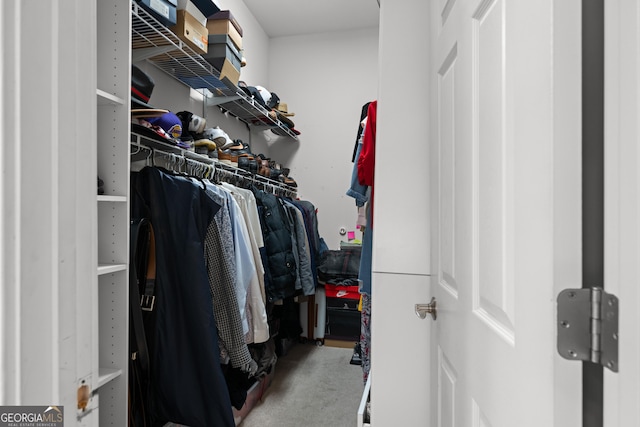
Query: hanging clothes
[188, 386]
[356, 190]
[361, 189]
[367, 159]
[258, 330]
[310, 219]
[363, 115]
[250, 211]
[365, 337]
[279, 262]
[304, 280]
[221, 268]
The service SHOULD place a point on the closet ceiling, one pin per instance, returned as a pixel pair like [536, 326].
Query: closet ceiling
[293, 17]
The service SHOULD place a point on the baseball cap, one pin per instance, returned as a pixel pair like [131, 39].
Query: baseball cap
[169, 122]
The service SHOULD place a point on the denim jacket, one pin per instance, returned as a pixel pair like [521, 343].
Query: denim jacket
[357, 190]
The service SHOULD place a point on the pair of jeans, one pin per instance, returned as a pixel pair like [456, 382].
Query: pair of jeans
[366, 256]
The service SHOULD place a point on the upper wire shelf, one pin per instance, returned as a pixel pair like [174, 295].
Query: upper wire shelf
[152, 41]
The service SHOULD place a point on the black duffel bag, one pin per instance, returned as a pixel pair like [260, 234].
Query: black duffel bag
[342, 264]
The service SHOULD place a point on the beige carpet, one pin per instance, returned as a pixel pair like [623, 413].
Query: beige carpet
[312, 387]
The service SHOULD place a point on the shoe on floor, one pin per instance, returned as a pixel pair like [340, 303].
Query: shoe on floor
[356, 359]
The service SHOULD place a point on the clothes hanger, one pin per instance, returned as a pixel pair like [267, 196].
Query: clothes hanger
[138, 149]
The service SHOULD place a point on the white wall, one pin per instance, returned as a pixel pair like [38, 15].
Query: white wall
[325, 79]
[401, 252]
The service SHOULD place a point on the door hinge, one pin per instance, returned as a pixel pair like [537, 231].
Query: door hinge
[588, 326]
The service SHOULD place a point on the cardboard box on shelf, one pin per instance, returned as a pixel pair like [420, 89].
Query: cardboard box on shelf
[163, 10]
[190, 7]
[223, 22]
[227, 16]
[229, 74]
[207, 7]
[189, 30]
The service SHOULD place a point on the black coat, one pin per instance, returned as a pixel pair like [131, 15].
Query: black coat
[188, 385]
[278, 259]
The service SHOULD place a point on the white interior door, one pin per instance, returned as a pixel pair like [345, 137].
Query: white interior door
[622, 205]
[506, 220]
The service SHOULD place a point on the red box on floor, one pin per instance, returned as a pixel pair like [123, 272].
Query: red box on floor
[340, 291]
[343, 317]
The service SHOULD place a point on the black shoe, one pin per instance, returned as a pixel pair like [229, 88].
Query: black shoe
[248, 163]
[356, 359]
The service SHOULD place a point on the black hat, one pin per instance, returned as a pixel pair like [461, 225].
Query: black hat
[273, 101]
[141, 88]
[255, 94]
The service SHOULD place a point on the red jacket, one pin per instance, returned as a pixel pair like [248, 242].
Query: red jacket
[367, 159]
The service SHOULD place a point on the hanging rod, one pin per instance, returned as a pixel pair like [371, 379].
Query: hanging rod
[210, 167]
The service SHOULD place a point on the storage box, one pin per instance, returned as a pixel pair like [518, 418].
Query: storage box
[193, 11]
[343, 303]
[189, 30]
[220, 48]
[223, 23]
[227, 16]
[163, 10]
[343, 292]
[343, 317]
[343, 324]
[229, 74]
[207, 7]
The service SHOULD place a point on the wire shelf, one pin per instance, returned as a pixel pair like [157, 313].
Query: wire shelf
[152, 41]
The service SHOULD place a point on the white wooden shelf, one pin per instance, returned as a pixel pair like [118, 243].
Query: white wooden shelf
[106, 375]
[117, 199]
[105, 98]
[110, 268]
[110, 330]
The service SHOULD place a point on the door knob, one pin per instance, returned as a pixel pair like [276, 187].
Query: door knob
[423, 309]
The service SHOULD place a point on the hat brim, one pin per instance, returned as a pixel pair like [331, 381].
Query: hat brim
[286, 113]
[285, 119]
[137, 104]
[141, 113]
[149, 134]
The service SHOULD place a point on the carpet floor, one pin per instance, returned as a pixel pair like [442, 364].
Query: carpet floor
[312, 387]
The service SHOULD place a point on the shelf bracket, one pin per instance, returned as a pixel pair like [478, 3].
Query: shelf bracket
[218, 100]
[149, 52]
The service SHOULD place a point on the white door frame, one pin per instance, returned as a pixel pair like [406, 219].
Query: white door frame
[622, 204]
